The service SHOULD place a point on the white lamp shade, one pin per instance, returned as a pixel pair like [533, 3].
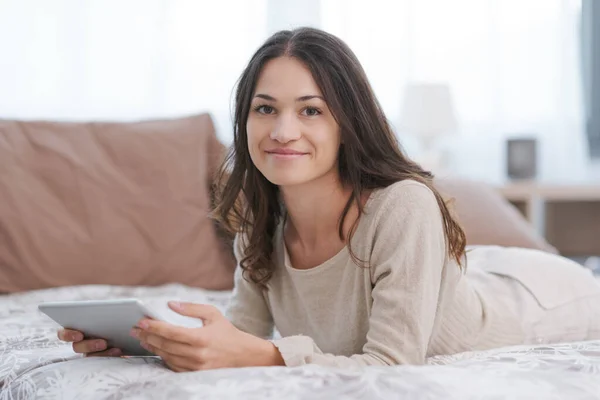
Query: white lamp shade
[428, 109]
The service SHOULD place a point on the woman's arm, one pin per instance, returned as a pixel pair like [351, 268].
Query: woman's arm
[408, 258]
[248, 310]
[235, 341]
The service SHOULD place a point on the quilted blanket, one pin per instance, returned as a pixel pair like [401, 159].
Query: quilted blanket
[34, 364]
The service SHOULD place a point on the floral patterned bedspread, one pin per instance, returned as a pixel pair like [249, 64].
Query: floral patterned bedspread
[34, 364]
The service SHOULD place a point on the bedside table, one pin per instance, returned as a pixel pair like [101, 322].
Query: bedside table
[562, 202]
[567, 215]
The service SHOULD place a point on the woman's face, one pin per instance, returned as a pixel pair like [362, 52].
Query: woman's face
[292, 136]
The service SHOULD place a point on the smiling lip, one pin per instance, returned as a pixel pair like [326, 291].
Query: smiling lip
[285, 152]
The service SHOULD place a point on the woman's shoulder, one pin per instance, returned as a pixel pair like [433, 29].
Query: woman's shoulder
[405, 226]
[405, 195]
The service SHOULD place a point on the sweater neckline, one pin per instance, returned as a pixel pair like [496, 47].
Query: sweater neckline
[344, 252]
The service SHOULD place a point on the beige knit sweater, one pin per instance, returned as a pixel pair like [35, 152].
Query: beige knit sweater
[412, 303]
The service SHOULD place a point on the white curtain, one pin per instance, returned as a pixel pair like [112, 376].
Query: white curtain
[125, 59]
[513, 67]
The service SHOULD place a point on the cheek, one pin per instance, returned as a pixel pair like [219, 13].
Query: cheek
[327, 146]
[256, 133]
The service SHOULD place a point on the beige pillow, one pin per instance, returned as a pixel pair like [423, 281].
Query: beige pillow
[109, 203]
[488, 218]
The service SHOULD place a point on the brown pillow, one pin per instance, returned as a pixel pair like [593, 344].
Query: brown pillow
[109, 203]
[489, 219]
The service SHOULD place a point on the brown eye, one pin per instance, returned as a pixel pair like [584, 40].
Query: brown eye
[264, 109]
[311, 111]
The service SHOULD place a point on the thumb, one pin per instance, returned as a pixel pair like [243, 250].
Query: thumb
[205, 312]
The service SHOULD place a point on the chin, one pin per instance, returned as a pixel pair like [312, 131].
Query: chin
[286, 178]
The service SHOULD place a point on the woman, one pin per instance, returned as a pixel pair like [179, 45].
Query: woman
[345, 246]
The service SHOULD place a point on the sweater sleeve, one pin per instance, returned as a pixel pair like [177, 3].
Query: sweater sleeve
[407, 262]
[248, 310]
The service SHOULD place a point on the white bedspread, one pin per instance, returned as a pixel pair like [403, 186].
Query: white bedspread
[34, 364]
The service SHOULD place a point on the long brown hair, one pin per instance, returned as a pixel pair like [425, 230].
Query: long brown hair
[369, 158]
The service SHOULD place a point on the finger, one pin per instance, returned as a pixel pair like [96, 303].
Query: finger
[205, 312]
[89, 346]
[166, 330]
[179, 362]
[69, 335]
[161, 343]
[112, 352]
[175, 368]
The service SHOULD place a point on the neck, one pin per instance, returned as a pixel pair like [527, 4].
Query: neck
[314, 210]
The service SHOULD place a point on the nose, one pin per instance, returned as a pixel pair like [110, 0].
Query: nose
[286, 129]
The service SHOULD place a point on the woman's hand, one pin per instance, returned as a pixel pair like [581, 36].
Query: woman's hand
[218, 344]
[89, 347]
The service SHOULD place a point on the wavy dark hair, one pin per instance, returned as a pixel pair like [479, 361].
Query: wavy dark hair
[370, 157]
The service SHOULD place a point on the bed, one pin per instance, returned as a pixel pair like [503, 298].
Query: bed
[104, 203]
[34, 364]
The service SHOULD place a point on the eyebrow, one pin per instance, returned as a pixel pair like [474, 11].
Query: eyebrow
[302, 98]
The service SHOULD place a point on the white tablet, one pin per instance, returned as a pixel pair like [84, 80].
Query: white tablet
[112, 320]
